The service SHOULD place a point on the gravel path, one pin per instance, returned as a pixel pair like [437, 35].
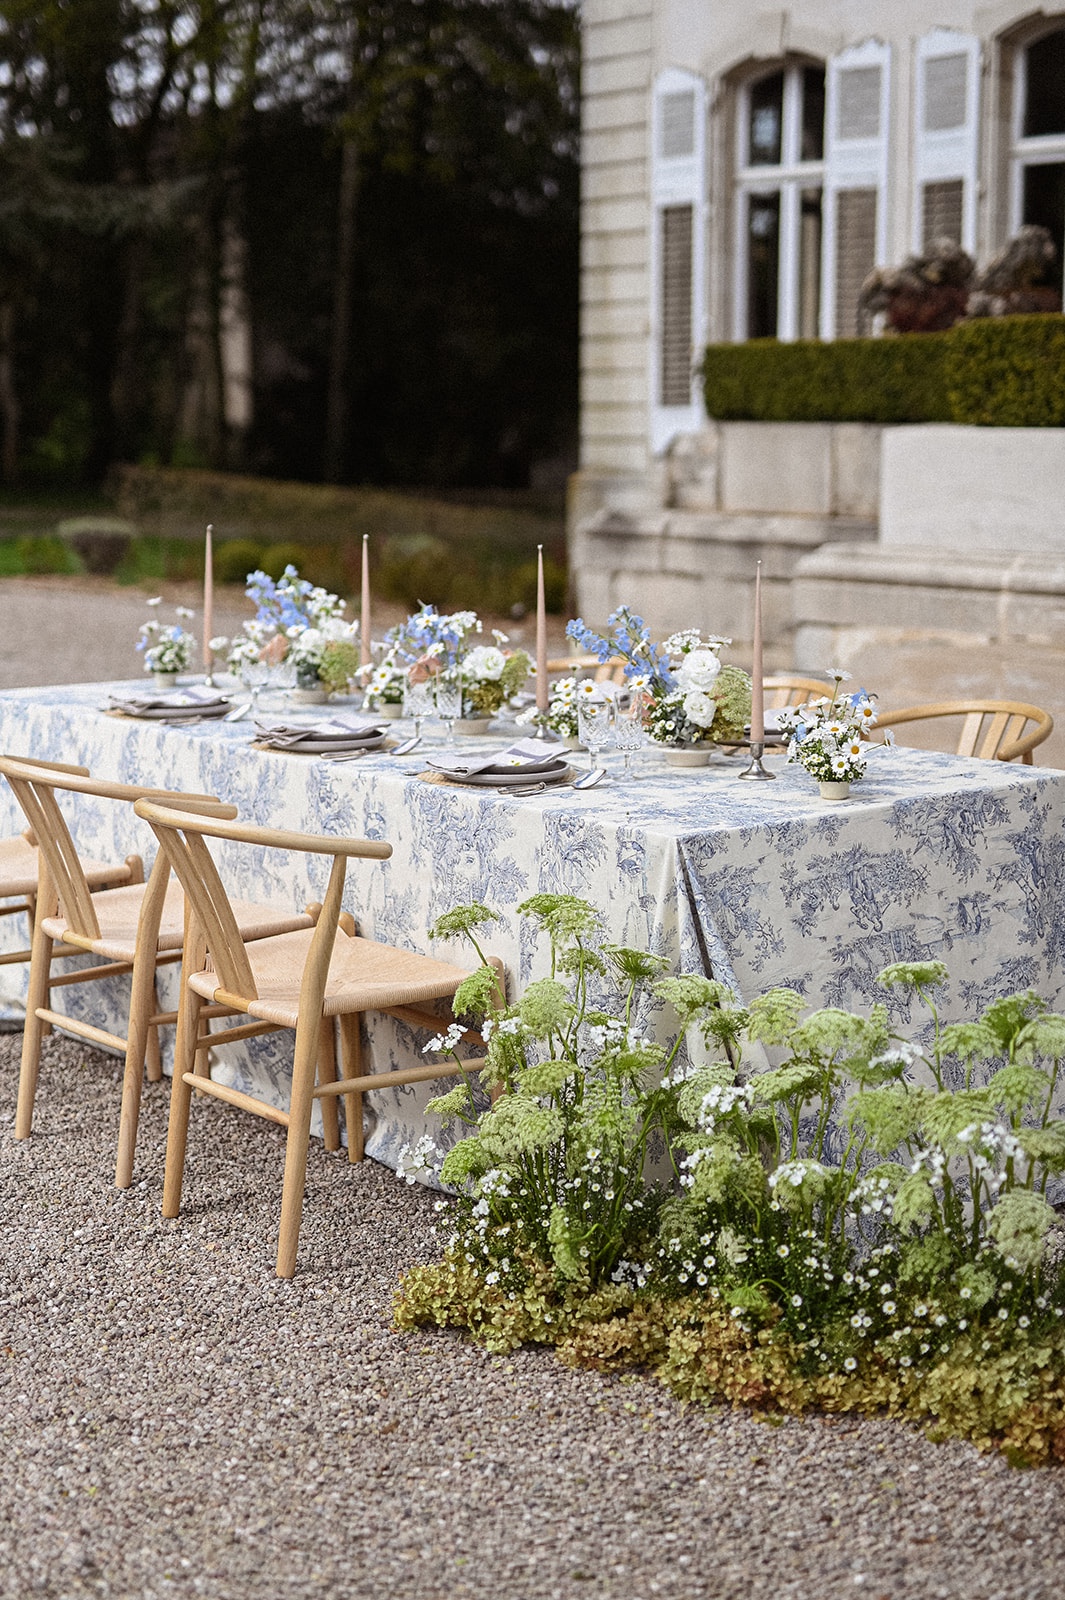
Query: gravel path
[176, 1422]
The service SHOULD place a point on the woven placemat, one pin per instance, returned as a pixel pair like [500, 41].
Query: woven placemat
[294, 750]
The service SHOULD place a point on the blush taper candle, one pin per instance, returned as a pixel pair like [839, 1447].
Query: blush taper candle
[364, 614]
[541, 633]
[208, 597]
[757, 689]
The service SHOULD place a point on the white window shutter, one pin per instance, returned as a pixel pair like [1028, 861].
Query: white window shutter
[946, 138]
[857, 151]
[678, 252]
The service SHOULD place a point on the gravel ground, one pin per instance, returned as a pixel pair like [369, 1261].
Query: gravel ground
[175, 1421]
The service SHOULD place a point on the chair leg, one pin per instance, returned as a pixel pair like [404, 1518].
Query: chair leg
[351, 1047]
[31, 907]
[150, 1051]
[327, 1073]
[299, 1135]
[188, 1027]
[143, 1003]
[36, 996]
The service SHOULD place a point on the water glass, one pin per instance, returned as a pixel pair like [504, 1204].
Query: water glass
[255, 675]
[448, 696]
[417, 703]
[595, 716]
[629, 732]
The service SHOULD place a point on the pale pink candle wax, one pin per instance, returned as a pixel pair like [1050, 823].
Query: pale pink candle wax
[541, 633]
[757, 688]
[208, 596]
[364, 614]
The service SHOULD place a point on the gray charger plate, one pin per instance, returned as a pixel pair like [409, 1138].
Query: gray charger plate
[188, 708]
[511, 775]
[321, 747]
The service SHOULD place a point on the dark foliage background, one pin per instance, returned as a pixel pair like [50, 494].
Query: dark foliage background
[369, 210]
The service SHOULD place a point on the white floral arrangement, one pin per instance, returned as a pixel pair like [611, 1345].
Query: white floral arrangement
[301, 623]
[166, 649]
[491, 677]
[691, 697]
[828, 735]
[561, 709]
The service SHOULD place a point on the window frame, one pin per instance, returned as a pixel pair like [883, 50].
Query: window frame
[1038, 150]
[788, 178]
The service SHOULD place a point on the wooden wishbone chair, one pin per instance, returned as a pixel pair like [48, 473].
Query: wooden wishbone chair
[299, 981]
[19, 863]
[612, 671]
[787, 689]
[995, 730]
[134, 927]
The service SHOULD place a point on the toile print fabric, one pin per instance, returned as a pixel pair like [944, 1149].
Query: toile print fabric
[757, 884]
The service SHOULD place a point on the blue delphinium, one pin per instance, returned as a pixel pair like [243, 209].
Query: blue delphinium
[631, 640]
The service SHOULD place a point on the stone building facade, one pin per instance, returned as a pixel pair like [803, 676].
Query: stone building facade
[744, 168]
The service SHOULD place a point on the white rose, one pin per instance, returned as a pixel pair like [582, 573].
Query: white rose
[699, 708]
[698, 670]
[485, 664]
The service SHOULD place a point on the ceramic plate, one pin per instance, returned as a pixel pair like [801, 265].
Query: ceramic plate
[180, 708]
[321, 747]
[513, 775]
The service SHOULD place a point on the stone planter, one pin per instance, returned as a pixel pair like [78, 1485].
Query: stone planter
[309, 697]
[165, 680]
[696, 756]
[387, 711]
[473, 725]
[834, 791]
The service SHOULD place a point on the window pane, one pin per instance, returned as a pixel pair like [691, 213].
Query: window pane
[1044, 203]
[813, 113]
[763, 265]
[809, 263]
[1044, 105]
[941, 211]
[675, 370]
[767, 104]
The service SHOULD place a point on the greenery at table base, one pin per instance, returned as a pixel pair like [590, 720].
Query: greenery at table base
[690, 696]
[863, 1227]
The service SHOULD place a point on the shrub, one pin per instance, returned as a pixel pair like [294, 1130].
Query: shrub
[1008, 372]
[100, 543]
[865, 1225]
[276, 557]
[235, 558]
[45, 553]
[898, 379]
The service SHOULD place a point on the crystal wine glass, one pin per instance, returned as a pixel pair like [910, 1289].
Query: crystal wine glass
[448, 696]
[417, 703]
[595, 714]
[255, 675]
[629, 732]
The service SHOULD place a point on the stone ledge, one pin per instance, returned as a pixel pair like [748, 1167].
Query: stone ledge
[943, 567]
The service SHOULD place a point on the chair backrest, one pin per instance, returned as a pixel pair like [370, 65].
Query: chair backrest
[785, 689]
[994, 730]
[34, 784]
[182, 838]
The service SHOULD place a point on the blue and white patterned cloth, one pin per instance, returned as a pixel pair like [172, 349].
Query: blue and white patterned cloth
[759, 884]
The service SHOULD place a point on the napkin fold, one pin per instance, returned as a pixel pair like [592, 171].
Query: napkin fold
[196, 700]
[526, 755]
[341, 730]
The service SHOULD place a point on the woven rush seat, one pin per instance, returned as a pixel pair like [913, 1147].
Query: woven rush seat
[19, 862]
[363, 975]
[118, 915]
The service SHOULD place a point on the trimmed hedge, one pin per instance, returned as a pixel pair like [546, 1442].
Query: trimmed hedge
[1006, 372]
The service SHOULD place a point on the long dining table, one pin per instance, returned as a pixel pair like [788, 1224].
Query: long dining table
[757, 884]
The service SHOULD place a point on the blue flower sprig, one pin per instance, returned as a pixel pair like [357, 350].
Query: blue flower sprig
[631, 640]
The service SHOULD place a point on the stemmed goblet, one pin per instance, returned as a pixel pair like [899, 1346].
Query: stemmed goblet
[629, 732]
[448, 696]
[595, 716]
[417, 703]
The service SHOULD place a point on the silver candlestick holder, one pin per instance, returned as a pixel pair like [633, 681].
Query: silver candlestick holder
[756, 769]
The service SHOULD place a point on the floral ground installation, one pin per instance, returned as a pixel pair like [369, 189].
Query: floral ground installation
[843, 1218]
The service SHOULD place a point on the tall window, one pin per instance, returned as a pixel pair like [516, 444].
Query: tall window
[1039, 139]
[780, 175]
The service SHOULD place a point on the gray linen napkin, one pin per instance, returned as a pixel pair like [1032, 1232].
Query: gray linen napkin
[526, 755]
[342, 730]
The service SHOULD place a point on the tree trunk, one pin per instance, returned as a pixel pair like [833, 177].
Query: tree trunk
[337, 404]
[9, 406]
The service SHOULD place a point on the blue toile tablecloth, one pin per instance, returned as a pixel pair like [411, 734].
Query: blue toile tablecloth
[760, 884]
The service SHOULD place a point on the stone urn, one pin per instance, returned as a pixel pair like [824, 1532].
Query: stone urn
[834, 791]
[695, 755]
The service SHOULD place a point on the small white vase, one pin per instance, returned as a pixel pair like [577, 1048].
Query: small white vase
[695, 757]
[309, 697]
[473, 725]
[386, 711]
[165, 680]
[834, 791]
[571, 742]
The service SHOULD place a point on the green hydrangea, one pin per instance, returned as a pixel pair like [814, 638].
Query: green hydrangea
[732, 692]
